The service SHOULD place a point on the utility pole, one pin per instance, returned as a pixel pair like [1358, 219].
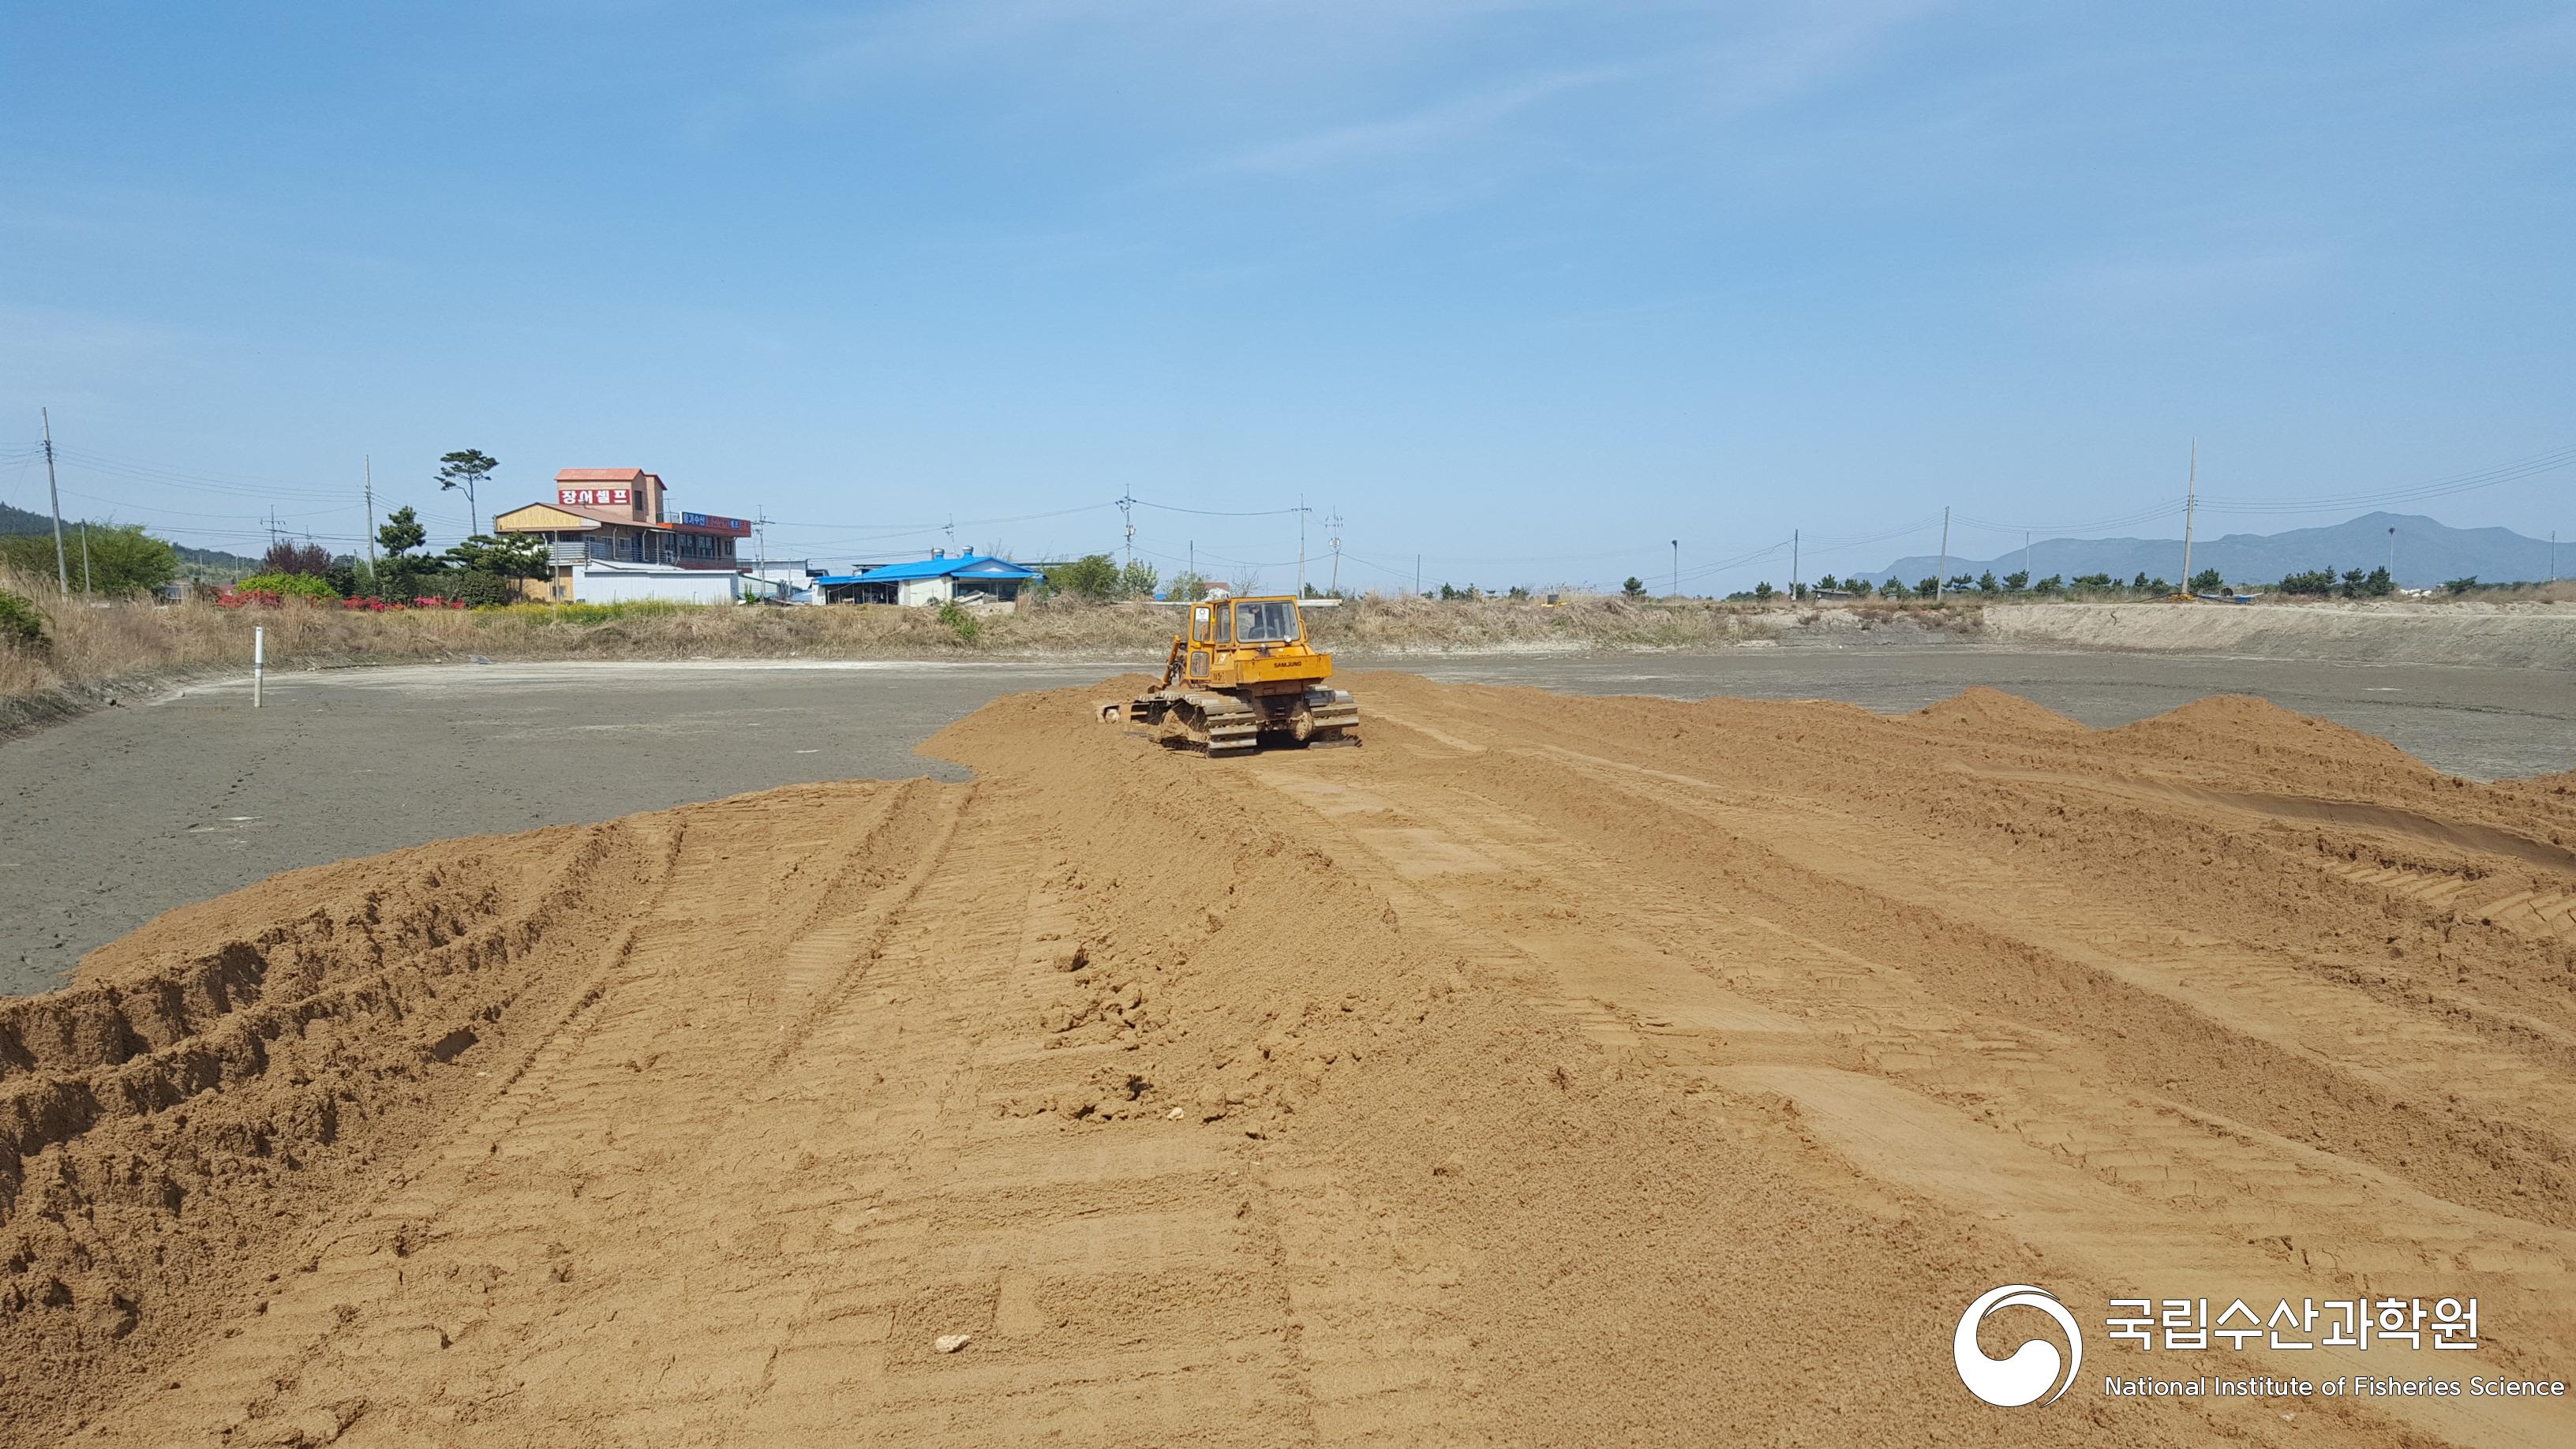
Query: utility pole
[2025, 557]
[1941, 580]
[2392, 553]
[1793, 563]
[1335, 524]
[760, 537]
[1677, 568]
[62, 566]
[2190, 504]
[1127, 510]
[370, 464]
[1301, 545]
[85, 588]
[1417, 576]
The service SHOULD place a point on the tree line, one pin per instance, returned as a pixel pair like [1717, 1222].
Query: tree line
[484, 569]
[117, 561]
[2326, 582]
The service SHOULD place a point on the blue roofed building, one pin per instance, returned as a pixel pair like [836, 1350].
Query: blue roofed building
[966, 576]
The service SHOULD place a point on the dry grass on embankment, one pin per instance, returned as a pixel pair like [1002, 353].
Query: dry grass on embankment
[100, 646]
[98, 643]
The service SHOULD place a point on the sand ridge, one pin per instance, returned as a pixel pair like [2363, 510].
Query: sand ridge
[1549, 1070]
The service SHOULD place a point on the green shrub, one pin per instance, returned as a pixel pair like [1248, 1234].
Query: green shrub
[474, 588]
[21, 622]
[288, 586]
[1094, 576]
[956, 617]
[122, 560]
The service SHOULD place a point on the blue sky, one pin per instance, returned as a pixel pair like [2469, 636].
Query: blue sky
[1528, 289]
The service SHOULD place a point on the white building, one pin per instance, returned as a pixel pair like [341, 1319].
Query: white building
[790, 580]
[603, 581]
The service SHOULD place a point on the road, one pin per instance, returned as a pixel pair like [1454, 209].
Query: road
[109, 820]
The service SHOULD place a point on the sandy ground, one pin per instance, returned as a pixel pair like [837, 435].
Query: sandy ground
[110, 820]
[1548, 1071]
[2514, 635]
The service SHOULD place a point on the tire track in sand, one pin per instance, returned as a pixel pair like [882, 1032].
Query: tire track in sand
[2001, 1118]
[1550, 1071]
[755, 1205]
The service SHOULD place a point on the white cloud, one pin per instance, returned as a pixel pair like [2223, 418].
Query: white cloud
[2182, 291]
[1156, 43]
[1416, 131]
[1808, 47]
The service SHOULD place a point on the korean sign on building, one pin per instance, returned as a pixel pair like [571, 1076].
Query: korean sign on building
[715, 521]
[596, 497]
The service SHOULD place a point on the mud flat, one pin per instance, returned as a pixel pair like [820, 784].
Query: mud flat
[1551, 1070]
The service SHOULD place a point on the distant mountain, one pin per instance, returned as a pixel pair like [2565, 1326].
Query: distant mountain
[2427, 553]
[19, 520]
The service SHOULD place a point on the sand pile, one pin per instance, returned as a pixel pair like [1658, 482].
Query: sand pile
[1983, 708]
[1547, 1071]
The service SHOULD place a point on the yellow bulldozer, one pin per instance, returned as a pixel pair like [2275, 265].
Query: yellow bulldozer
[1242, 669]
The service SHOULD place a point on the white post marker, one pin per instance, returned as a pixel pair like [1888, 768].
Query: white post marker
[258, 660]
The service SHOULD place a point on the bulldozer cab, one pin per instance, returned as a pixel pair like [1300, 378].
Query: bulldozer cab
[1246, 621]
[1237, 643]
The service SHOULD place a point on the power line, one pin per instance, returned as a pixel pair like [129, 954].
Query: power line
[189, 513]
[1832, 540]
[901, 530]
[1701, 571]
[179, 478]
[2146, 515]
[2530, 467]
[1215, 512]
[329, 504]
